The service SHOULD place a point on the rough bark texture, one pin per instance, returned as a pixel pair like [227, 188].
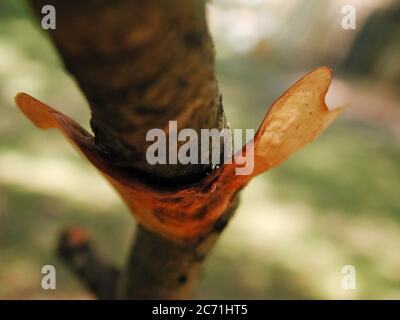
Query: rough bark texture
[141, 64]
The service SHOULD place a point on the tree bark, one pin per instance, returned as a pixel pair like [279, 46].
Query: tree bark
[141, 64]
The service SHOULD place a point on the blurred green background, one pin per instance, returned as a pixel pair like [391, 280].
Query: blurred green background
[335, 203]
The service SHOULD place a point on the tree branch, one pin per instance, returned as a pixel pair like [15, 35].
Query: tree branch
[141, 64]
[76, 250]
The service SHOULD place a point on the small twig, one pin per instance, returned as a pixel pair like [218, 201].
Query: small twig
[76, 250]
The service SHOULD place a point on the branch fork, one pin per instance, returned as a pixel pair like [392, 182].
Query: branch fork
[188, 215]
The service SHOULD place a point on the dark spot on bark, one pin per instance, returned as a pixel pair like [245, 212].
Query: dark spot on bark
[200, 240]
[182, 82]
[173, 200]
[220, 224]
[142, 86]
[201, 213]
[193, 39]
[199, 257]
[182, 278]
[146, 110]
